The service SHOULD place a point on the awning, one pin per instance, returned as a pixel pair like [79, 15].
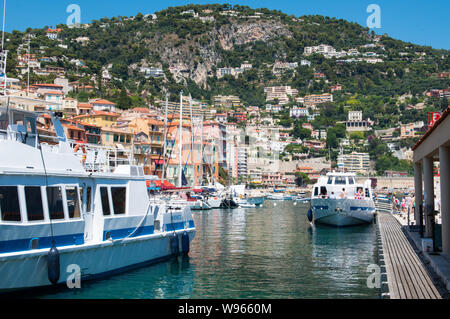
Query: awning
[157, 183]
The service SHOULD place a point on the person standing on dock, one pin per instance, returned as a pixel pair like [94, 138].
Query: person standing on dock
[437, 205]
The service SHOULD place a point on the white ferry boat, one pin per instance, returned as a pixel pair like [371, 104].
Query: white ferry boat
[54, 214]
[339, 201]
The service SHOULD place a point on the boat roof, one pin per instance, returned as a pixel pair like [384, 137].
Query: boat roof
[341, 174]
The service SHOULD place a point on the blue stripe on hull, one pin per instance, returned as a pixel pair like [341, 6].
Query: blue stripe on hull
[124, 232]
[174, 226]
[10, 246]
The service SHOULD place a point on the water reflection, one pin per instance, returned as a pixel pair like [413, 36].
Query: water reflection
[270, 252]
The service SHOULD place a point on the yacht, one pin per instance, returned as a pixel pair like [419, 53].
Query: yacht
[54, 213]
[338, 200]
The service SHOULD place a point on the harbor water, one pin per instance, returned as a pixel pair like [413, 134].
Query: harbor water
[268, 252]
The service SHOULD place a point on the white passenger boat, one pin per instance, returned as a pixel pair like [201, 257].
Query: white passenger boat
[275, 196]
[339, 201]
[55, 217]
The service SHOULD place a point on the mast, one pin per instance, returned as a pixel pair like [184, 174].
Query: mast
[3, 53]
[201, 150]
[165, 141]
[180, 140]
[28, 80]
[4, 16]
[192, 134]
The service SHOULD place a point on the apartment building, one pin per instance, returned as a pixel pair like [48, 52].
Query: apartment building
[297, 112]
[314, 99]
[280, 93]
[354, 162]
[227, 101]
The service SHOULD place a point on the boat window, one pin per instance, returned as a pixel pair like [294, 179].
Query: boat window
[105, 200]
[339, 180]
[55, 203]
[118, 195]
[88, 197]
[316, 191]
[330, 180]
[33, 199]
[9, 204]
[351, 181]
[73, 203]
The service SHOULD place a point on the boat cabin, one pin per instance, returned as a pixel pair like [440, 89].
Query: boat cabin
[341, 185]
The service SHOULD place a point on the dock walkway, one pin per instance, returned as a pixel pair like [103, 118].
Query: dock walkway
[407, 277]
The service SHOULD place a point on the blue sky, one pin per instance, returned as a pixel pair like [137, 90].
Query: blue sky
[418, 21]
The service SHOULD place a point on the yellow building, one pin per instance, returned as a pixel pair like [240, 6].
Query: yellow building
[99, 118]
[113, 136]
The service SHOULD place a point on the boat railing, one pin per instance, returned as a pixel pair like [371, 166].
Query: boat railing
[100, 158]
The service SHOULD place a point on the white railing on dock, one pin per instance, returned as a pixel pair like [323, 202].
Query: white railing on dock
[384, 205]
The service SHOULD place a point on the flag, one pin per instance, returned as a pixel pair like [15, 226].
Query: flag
[184, 181]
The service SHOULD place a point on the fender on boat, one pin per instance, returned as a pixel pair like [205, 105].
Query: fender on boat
[53, 264]
[174, 244]
[310, 215]
[185, 243]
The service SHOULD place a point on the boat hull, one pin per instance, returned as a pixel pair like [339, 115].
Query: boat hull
[214, 202]
[342, 212]
[29, 270]
[256, 200]
[275, 197]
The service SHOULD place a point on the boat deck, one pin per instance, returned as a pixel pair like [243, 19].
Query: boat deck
[407, 277]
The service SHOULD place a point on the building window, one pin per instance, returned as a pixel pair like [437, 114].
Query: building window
[119, 196]
[73, 203]
[9, 204]
[105, 201]
[55, 203]
[33, 199]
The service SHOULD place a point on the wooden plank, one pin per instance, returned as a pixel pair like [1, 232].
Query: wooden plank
[403, 279]
[407, 276]
[417, 270]
[414, 267]
[425, 283]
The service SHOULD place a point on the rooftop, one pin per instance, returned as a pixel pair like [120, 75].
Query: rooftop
[431, 129]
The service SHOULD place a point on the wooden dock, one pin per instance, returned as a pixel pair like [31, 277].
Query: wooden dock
[407, 277]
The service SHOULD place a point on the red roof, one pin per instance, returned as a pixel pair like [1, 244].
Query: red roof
[103, 102]
[141, 110]
[431, 129]
[72, 127]
[85, 105]
[48, 85]
[53, 92]
[54, 30]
